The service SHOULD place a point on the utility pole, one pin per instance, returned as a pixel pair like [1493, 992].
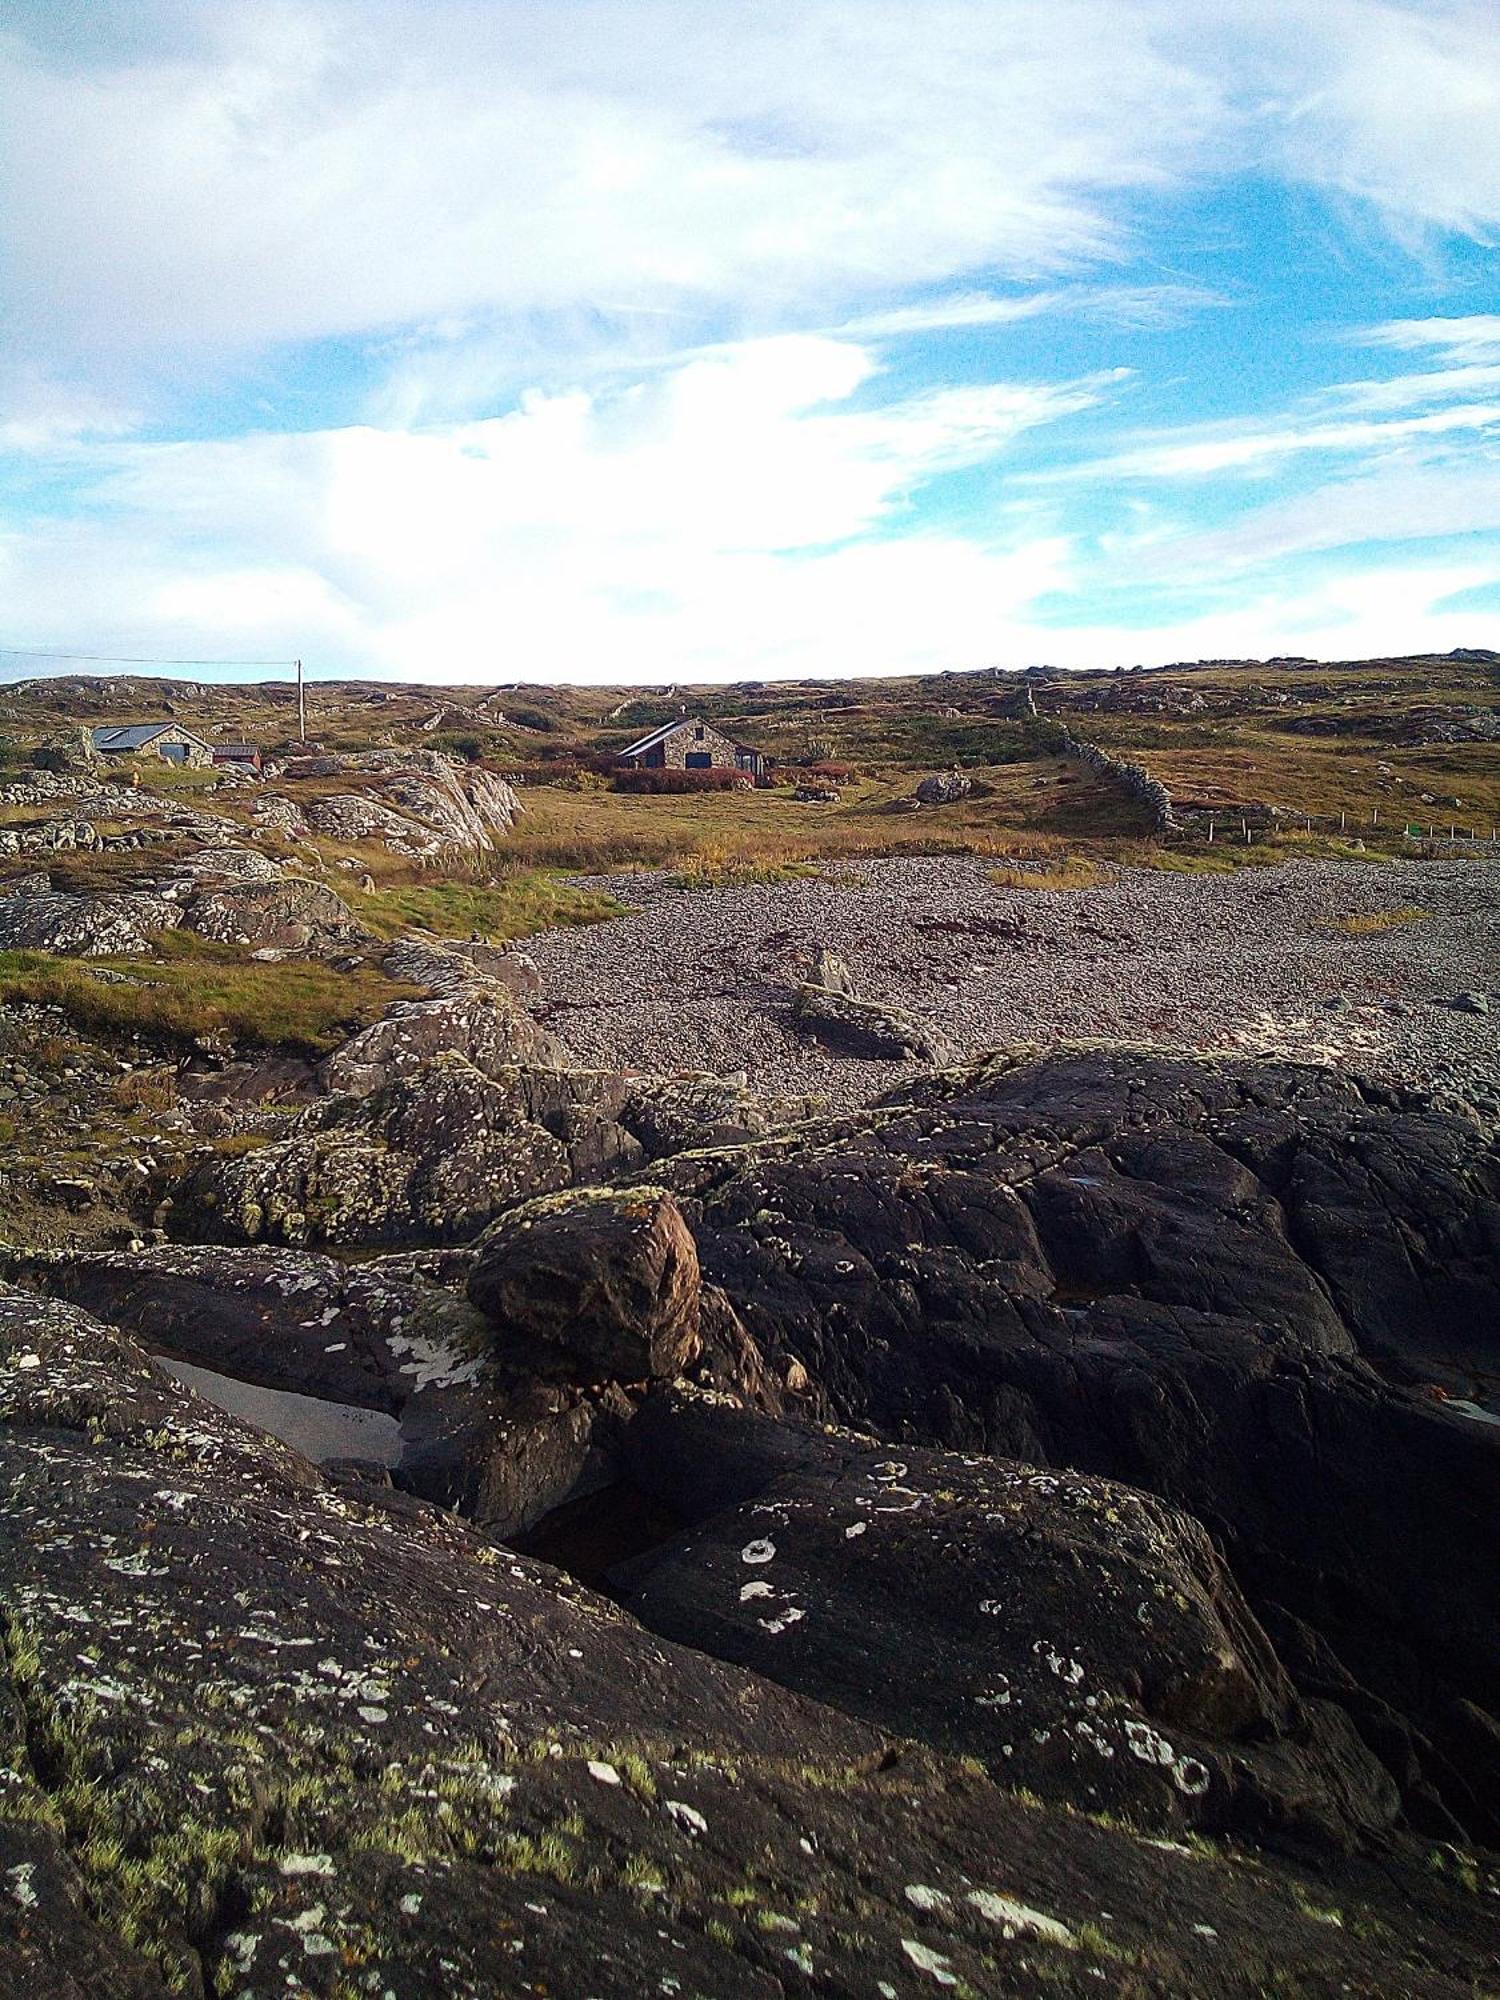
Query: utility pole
[301, 707]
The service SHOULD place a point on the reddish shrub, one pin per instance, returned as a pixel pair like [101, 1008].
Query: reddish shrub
[667, 780]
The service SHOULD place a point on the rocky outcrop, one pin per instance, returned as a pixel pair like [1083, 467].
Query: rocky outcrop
[1197, 1277]
[282, 914]
[262, 1730]
[480, 1023]
[442, 1115]
[229, 864]
[944, 788]
[1079, 1637]
[418, 803]
[443, 965]
[103, 926]
[606, 1280]
[428, 1158]
[828, 1007]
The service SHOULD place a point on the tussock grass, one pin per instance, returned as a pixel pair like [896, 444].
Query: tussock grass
[1369, 923]
[195, 988]
[1070, 871]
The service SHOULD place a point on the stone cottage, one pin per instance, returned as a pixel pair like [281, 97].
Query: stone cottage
[691, 745]
[167, 740]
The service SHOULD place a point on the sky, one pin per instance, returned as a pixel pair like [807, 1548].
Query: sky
[660, 340]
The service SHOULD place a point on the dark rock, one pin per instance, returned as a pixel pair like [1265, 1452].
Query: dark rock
[1193, 1276]
[264, 1733]
[870, 1027]
[281, 1318]
[605, 1279]
[1080, 1637]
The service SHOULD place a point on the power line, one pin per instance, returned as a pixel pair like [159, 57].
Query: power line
[128, 660]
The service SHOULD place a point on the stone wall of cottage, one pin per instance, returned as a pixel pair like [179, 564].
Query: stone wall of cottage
[685, 741]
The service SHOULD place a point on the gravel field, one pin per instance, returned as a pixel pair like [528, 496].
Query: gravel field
[700, 978]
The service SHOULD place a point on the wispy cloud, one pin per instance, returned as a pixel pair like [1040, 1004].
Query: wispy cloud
[1248, 448]
[1472, 337]
[643, 336]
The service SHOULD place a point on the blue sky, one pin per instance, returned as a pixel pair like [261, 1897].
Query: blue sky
[707, 339]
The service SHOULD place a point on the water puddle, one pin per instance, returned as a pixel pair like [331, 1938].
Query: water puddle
[320, 1430]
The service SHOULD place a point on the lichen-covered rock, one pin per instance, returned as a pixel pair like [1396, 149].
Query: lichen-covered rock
[1080, 1637]
[103, 926]
[944, 788]
[288, 914]
[605, 1280]
[230, 864]
[443, 965]
[671, 1114]
[261, 1735]
[480, 1023]
[419, 803]
[430, 1157]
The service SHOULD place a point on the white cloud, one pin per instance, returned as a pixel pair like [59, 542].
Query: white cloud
[1391, 104]
[1250, 447]
[1393, 500]
[713, 217]
[283, 172]
[1468, 338]
[693, 522]
[1357, 613]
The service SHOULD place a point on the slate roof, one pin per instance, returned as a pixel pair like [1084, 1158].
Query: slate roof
[136, 735]
[670, 729]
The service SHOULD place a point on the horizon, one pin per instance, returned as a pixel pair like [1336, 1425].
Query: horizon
[635, 346]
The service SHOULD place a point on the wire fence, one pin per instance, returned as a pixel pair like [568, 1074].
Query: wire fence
[1236, 824]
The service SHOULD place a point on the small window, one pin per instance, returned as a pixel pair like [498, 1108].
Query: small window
[698, 733]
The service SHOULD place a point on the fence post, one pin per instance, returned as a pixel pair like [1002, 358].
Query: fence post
[1210, 830]
[1375, 817]
[1341, 822]
[1246, 825]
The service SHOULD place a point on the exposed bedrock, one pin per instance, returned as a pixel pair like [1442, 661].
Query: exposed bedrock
[1082, 1638]
[439, 1117]
[1209, 1280]
[606, 1280]
[262, 1733]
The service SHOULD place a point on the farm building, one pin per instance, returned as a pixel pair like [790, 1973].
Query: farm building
[244, 756]
[691, 745]
[167, 740]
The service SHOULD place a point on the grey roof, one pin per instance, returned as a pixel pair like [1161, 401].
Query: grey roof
[657, 736]
[136, 735]
[671, 728]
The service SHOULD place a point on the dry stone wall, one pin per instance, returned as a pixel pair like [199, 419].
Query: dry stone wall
[1131, 778]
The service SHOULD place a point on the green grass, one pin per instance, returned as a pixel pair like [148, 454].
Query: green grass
[195, 988]
[516, 905]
